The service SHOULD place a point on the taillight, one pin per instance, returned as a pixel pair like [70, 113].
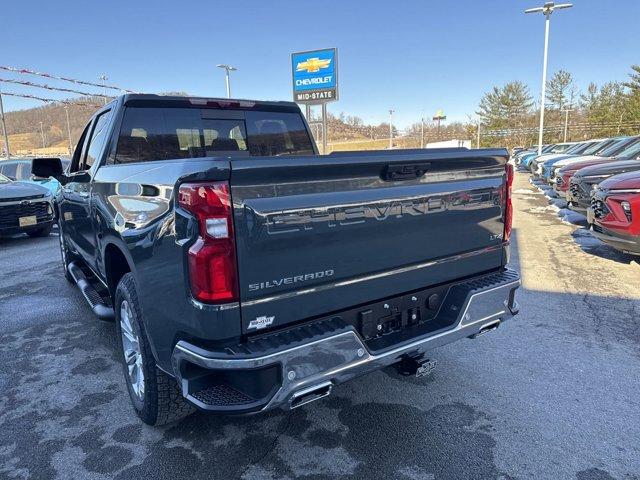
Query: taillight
[508, 207]
[212, 258]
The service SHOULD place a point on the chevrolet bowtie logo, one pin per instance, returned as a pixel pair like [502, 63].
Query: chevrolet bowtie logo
[312, 65]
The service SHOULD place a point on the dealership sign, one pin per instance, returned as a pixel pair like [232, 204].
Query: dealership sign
[315, 76]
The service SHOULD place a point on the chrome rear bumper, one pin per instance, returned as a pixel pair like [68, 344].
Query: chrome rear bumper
[331, 358]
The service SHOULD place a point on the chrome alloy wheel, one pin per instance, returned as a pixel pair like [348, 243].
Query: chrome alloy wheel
[132, 350]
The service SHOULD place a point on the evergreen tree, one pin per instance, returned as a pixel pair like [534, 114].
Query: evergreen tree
[560, 90]
[505, 107]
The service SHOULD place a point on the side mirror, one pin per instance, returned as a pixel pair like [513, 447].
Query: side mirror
[47, 167]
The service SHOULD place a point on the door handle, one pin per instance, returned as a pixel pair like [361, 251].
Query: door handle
[408, 171]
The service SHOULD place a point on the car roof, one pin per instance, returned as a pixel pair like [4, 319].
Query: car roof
[189, 101]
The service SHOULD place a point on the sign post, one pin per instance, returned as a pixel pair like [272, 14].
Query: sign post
[438, 117]
[315, 82]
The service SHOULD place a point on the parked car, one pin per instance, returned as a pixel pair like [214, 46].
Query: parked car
[565, 169]
[535, 165]
[594, 154]
[583, 182]
[614, 213]
[532, 150]
[245, 272]
[25, 208]
[20, 169]
[526, 158]
[547, 169]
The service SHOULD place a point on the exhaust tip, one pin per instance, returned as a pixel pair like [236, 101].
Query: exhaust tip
[489, 327]
[310, 394]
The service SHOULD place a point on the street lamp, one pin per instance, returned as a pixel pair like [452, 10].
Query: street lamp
[391, 128]
[66, 111]
[547, 9]
[103, 78]
[5, 134]
[42, 134]
[227, 69]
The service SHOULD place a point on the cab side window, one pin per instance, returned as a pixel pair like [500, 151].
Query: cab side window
[98, 137]
[76, 164]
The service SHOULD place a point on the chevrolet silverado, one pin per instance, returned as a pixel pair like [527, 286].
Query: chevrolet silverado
[246, 272]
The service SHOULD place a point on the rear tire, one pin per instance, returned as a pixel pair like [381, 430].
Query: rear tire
[41, 232]
[64, 253]
[155, 396]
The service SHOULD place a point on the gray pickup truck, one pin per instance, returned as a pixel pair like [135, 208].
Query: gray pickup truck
[245, 272]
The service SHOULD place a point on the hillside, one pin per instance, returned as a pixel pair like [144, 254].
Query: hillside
[27, 137]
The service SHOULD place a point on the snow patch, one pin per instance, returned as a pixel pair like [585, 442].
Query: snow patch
[572, 218]
[545, 209]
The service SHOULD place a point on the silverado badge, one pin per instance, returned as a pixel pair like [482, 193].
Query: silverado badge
[260, 322]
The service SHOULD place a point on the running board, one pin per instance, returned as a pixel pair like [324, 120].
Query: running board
[99, 306]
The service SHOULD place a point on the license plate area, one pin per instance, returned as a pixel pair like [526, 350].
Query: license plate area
[388, 317]
[27, 221]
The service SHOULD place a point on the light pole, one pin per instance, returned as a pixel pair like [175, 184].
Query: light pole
[4, 130]
[42, 134]
[422, 132]
[391, 128]
[547, 9]
[227, 69]
[478, 136]
[66, 111]
[104, 78]
[566, 122]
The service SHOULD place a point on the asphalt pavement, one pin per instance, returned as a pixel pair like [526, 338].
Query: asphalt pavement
[552, 394]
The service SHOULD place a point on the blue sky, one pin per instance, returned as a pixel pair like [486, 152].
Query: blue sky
[414, 56]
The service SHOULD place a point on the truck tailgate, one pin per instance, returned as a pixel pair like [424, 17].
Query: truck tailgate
[319, 234]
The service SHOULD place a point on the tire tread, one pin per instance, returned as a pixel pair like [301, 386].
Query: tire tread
[163, 402]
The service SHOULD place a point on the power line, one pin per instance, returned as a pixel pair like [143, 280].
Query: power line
[27, 71]
[49, 87]
[50, 100]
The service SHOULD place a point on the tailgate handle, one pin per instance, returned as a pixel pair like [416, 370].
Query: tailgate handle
[407, 171]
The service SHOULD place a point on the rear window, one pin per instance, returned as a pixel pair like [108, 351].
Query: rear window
[277, 133]
[171, 133]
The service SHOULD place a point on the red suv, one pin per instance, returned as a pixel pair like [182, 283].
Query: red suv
[614, 213]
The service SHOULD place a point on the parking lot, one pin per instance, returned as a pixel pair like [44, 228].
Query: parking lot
[552, 394]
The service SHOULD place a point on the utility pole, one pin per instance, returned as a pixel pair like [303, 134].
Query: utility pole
[620, 123]
[422, 132]
[4, 130]
[324, 128]
[566, 121]
[104, 78]
[391, 128]
[66, 111]
[227, 69]
[42, 134]
[478, 136]
[547, 9]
